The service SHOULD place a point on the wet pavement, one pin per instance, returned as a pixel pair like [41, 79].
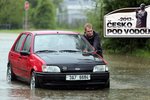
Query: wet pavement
[129, 80]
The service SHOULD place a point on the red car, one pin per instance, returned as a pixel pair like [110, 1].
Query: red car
[56, 58]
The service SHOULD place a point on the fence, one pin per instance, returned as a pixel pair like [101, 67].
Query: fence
[5, 26]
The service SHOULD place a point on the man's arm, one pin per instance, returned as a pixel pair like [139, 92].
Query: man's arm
[97, 43]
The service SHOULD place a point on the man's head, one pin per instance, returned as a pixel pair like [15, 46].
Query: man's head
[142, 6]
[88, 29]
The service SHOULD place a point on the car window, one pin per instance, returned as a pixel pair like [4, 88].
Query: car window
[27, 43]
[19, 42]
[59, 42]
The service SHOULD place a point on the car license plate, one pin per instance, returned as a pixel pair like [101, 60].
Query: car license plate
[78, 77]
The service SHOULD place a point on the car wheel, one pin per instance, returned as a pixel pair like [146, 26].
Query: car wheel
[10, 74]
[107, 85]
[34, 82]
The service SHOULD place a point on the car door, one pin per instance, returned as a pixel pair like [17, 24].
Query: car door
[25, 59]
[15, 55]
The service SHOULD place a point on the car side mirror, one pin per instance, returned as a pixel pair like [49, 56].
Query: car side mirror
[25, 53]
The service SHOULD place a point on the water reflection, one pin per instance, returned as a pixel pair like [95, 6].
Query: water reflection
[130, 72]
[46, 94]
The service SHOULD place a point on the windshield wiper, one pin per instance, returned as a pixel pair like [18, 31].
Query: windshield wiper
[69, 51]
[45, 51]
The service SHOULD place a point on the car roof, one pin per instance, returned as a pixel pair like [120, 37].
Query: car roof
[51, 32]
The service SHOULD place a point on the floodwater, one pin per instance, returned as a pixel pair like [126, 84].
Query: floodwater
[129, 80]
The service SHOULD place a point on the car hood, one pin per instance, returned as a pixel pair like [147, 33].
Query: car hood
[69, 58]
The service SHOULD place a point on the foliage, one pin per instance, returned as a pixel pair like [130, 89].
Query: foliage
[41, 13]
[57, 2]
[43, 16]
[141, 53]
[11, 13]
[33, 3]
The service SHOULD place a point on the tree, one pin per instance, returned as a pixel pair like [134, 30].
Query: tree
[44, 15]
[57, 2]
[33, 3]
[11, 12]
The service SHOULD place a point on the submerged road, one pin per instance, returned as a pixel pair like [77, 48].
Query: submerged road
[129, 80]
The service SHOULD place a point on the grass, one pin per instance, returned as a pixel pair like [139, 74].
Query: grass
[142, 53]
[137, 53]
[79, 30]
[11, 31]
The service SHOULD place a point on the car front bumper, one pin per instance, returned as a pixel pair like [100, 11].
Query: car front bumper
[96, 79]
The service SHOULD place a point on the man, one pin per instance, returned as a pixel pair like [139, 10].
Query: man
[93, 38]
[141, 16]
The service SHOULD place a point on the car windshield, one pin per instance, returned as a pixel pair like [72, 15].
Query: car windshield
[61, 43]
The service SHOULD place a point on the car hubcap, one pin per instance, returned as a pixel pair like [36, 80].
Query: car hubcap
[32, 83]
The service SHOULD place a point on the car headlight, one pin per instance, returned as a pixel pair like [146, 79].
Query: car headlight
[100, 68]
[46, 68]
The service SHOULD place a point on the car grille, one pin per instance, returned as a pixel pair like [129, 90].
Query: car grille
[76, 68]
